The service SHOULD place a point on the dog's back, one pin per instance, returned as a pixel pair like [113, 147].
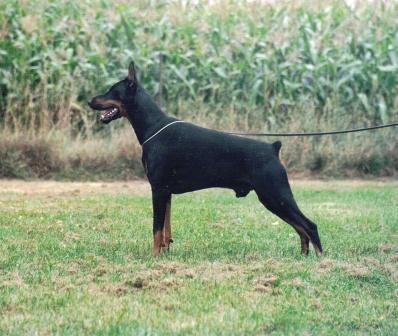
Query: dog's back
[187, 157]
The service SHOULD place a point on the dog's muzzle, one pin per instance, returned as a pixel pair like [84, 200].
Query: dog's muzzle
[108, 113]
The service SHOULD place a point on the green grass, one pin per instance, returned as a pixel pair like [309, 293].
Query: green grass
[77, 262]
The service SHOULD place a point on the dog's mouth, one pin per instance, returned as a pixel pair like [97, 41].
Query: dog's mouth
[107, 113]
[110, 114]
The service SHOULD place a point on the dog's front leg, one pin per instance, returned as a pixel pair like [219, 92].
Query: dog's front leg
[167, 227]
[160, 199]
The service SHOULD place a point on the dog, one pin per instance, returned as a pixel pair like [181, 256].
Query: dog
[180, 157]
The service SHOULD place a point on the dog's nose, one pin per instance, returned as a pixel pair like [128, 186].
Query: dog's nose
[89, 103]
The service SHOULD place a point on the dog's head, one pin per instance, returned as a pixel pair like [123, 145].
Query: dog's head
[113, 103]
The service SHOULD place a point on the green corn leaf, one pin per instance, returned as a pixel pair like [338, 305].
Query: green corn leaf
[364, 100]
[382, 109]
[388, 68]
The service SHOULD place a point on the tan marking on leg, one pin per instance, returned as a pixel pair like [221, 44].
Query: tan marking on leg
[303, 237]
[157, 243]
[304, 247]
[317, 250]
[167, 228]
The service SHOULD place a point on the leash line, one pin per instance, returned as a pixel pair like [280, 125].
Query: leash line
[164, 127]
[286, 134]
[316, 133]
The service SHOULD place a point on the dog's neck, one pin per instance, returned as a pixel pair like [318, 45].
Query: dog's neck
[144, 114]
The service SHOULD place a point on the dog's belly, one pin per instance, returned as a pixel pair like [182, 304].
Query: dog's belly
[180, 180]
[179, 187]
[241, 189]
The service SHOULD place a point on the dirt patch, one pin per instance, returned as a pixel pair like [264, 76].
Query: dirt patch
[361, 269]
[391, 270]
[336, 184]
[11, 279]
[394, 258]
[73, 188]
[388, 267]
[12, 309]
[138, 283]
[172, 275]
[355, 270]
[141, 186]
[171, 267]
[388, 248]
[264, 284]
[298, 283]
[371, 262]
[143, 281]
[325, 265]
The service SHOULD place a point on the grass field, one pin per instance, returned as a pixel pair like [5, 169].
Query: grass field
[75, 259]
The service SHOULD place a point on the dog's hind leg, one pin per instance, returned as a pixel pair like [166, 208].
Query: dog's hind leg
[167, 240]
[273, 190]
[304, 238]
[286, 209]
[160, 199]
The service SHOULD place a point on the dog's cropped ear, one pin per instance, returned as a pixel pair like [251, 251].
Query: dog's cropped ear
[131, 75]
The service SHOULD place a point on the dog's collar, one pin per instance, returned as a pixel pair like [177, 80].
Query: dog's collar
[164, 127]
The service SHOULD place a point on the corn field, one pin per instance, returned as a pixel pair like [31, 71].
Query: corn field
[259, 65]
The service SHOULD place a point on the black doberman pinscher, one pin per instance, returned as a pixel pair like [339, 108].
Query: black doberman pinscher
[179, 157]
